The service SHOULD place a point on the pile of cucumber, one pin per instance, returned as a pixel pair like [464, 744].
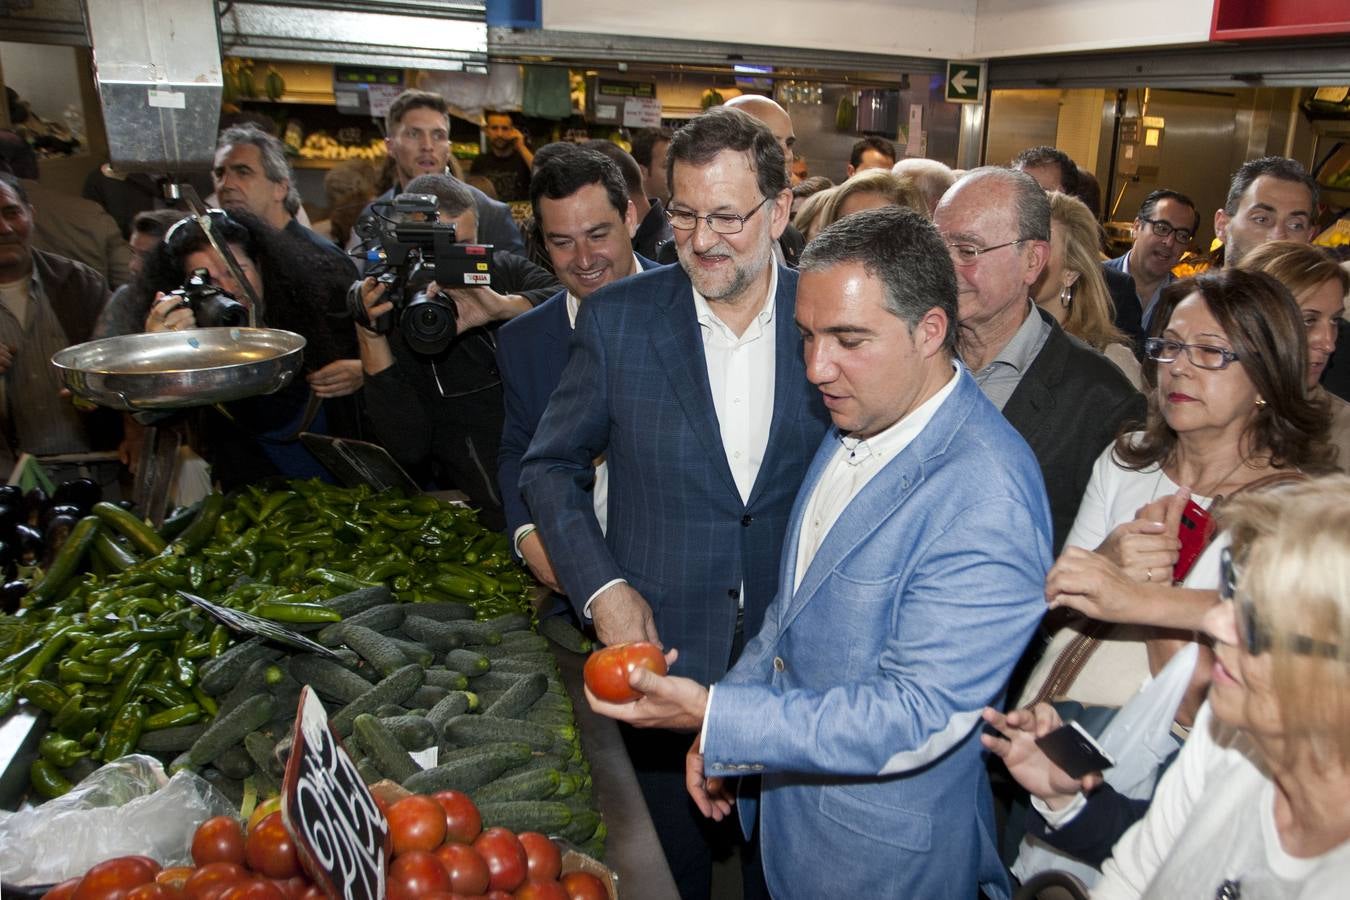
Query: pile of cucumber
[424, 695]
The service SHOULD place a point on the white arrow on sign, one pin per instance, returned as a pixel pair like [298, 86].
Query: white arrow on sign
[962, 83]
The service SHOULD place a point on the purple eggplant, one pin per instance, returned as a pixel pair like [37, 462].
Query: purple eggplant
[79, 492]
[10, 516]
[57, 532]
[34, 502]
[54, 510]
[11, 495]
[11, 593]
[28, 545]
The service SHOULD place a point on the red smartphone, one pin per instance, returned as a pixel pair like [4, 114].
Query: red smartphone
[1197, 527]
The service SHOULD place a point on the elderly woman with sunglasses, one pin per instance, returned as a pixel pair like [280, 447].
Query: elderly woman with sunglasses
[1258, 803]
[1228, 409]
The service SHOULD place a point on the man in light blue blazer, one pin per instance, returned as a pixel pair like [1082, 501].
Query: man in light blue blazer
[911, 579]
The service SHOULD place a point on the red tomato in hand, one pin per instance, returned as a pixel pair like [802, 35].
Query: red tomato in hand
[584, 886]
[505, 858]
[218, 840]
[416, 823]
[607, 670]
[468, 871]
[462, 821]
[540, 890]
[415, 874]
[270, 849]
[114, 877]
[544, 859]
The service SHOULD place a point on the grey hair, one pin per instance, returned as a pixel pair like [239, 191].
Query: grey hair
[273, 155]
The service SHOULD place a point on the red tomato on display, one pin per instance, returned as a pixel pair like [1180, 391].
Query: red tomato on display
[540, 890]
[63, 891]
[270, 849]
[505, 858]
[293, 888]
[584, 886]
[112, 878]
[544, 859]
[153, 891]
[174, 879]
[415, 874]
[416, 823]
[218, 840]
[468, 871]
[211, 880]
[607, 670]
[253, 889]
[462, 822]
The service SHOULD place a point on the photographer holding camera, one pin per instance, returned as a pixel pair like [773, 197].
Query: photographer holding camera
[186, 284]
[434, 394]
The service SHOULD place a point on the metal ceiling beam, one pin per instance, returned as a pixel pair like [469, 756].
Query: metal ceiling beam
[508, 44]
[1305, 63]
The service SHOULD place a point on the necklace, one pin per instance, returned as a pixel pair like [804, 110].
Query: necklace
[1213, 497]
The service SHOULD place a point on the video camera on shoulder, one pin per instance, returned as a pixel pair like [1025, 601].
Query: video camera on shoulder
[407, 250]
[212, 307]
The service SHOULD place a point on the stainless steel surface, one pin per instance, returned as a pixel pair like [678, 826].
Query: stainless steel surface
[157, 63]
[387, 33]
[154, 475]
[180, 369]
[632, 848]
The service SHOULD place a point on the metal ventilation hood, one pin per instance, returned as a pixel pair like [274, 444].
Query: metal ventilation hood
[157, 64]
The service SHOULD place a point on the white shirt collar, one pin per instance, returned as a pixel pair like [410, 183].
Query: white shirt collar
[574, 302]
[708, 319]
[888, 443]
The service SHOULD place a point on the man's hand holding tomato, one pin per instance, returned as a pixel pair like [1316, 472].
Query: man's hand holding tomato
[621, 615]
[665, 701]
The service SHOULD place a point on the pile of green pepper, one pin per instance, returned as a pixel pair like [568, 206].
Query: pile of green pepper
[114, 652]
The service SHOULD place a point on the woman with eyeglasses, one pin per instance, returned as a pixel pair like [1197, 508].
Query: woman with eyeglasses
[1258, 803]
[1319, 286]
[1072, 288]
[1228, 409]
[295, 285]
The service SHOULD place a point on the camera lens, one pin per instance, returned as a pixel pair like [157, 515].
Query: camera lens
[428, 324]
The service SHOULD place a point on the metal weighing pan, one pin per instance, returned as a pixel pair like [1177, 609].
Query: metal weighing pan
[178, 369]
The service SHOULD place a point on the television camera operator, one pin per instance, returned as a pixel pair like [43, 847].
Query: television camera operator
[433, 391]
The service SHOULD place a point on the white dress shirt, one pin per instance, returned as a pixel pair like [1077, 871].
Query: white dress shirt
[853, 465]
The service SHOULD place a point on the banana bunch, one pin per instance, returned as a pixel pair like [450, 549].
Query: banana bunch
[321, 145]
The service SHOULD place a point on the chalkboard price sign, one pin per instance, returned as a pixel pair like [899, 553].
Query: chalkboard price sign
[342, 835]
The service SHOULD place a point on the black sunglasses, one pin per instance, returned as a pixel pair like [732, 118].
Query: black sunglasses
[1255, 637]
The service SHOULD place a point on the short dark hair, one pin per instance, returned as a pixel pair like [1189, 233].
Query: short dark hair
[901, 249]
[718, 129]
[452, 197]
[13, 183]
[1089, 192]
[628, 167]
[1150, 204]
[410, 100]
[567, 172]
[645, 140]
[271, 152]
[1281, 167]
[488, 113]
[871, 142]
[1049, 156]
[155, 222]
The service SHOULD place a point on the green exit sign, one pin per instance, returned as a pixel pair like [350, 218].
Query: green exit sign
[965, 82]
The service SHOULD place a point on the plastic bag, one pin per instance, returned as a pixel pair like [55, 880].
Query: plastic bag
[128, 806]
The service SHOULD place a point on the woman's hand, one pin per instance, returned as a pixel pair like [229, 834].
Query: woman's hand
[168, 313]
[1096, 587]
[1025, 761]
[337, 379]
[1146, 547]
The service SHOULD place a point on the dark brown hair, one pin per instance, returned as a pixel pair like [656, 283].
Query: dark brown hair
[1265, 328]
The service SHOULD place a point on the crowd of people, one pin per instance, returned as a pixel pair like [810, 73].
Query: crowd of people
[903, 473]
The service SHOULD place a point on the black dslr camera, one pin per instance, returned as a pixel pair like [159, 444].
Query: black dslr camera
[212, 307]
[408, 250]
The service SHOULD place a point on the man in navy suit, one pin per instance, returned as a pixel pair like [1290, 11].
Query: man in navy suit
[586, 221]
[689, 379]
[911, 578]
[1162, 231]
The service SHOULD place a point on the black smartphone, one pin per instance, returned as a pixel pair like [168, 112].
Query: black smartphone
[1072, 749]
